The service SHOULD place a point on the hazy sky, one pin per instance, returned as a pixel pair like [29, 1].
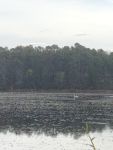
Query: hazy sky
[62, 22]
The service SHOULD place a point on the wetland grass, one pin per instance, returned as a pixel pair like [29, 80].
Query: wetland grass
[90, 138]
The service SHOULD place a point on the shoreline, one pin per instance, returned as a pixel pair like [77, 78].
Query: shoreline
[66, 91]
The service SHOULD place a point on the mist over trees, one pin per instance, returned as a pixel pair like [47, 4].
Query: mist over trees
[53, 67]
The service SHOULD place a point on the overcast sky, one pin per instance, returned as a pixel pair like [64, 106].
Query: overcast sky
[62, 22]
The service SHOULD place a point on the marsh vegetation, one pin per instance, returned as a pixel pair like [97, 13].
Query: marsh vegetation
[56, 118]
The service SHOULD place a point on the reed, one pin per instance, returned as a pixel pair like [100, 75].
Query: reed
[90, 138]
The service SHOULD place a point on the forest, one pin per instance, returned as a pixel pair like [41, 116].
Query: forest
[54, 67]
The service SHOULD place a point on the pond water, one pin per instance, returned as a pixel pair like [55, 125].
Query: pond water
[11, 141]
[49, 121]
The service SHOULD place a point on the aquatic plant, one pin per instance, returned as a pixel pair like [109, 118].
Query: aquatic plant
[90, 138]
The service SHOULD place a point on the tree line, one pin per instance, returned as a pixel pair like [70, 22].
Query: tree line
[53, 67]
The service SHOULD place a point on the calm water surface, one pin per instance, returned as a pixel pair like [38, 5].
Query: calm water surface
[11, 141]
[32, 121]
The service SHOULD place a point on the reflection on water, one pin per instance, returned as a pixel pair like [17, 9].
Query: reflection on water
[54, 114]
[11, 141]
